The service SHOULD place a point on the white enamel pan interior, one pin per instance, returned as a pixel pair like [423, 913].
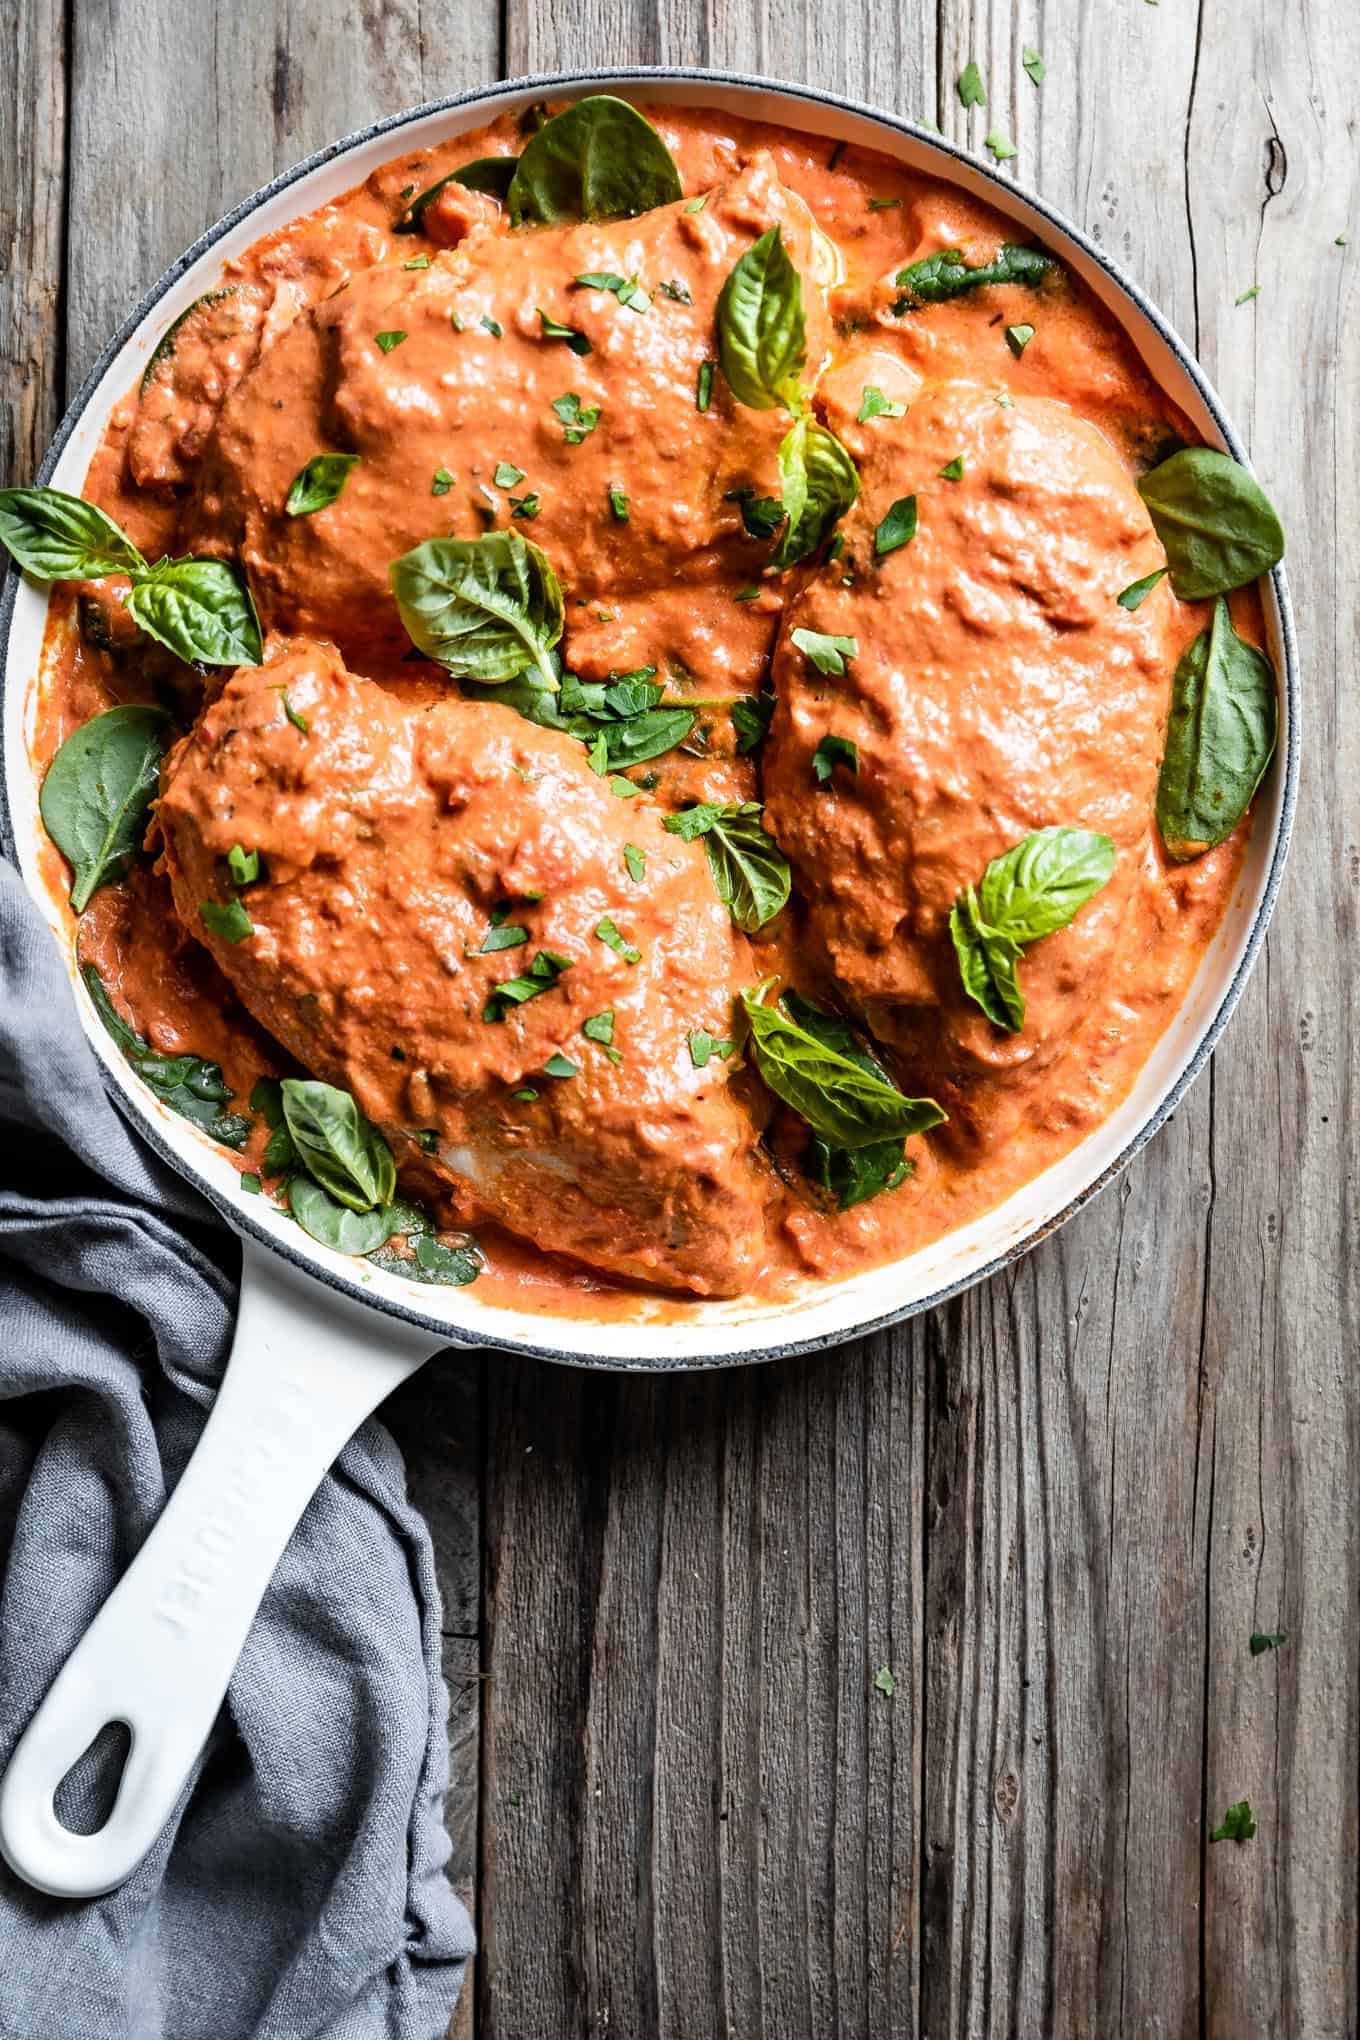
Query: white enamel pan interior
[322, 1339]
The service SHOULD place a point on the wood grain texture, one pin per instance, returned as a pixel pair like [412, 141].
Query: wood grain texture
[1055, 1511]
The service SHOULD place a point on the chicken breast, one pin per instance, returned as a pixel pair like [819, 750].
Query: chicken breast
[412, 861]
[994, 686]
[493, 384]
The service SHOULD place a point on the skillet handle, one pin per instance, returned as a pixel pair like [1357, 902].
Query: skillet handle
[306, 1367]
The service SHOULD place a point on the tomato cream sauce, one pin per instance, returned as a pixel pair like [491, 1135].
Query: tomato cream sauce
[997, 688]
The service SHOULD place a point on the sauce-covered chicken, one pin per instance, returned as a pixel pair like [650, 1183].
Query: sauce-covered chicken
[995, 687]
[412, 861]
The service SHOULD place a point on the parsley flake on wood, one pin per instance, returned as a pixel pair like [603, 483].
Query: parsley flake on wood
[751, 717]
[1236, 1825]
[1248, 295]
[970, 87]
[1269, 1639]
[884, 1682]
[1001, 146]
[1034, 64]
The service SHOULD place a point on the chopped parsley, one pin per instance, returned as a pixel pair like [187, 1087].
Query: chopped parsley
[952, 471]
[244, 865]
[1248, 295]
[751, 720]
[507, 474]
[230, 923]
[443, 482]
[703, 388]
[627, 290]
[558, 1065]
[618, 503]
[898, 528]
[623, 789]
[492, 326]
[502, 934]
[761, 516]
[599, 1028]
[1018, 339]
[884, 1682]
[541, 975]
[1034, 64]
[527, 1096]
[873, 404]
[697, 204]
[294, 715]
[1236, 1825]
[828, 654]
[250, 1183]
[612, 939]
[576, 418]
[387, 341]
[417, 262]
[526, 507]
[970, 88]
[831, 752]
[703, 1046]
[553, 329]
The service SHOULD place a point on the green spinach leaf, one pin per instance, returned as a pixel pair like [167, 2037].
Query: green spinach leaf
[486, 608]
[1215, 520]
[165, 346]
[750, 872]
[319, 483]
[849, 1106]
[762, 333]
[427, 1259]
[97, 791]
[1220, 737]
[342, 1150]
[195, 1089]
[596, 160]
[489, 174]
[56, 537]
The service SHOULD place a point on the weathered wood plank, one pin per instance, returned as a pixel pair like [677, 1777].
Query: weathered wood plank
[1273, 180]
[32, 179]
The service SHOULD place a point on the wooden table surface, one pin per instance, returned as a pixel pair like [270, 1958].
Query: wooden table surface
[1057, 1508]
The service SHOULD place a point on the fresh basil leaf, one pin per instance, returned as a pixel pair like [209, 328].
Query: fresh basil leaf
[486, 608]
[319, 483]
[987, 963]
[946, 275]
[1137, 592]
[873, 404]
[751, 718]
[761, 516]
[341, 1149]
[637, 739]
[489, 174]
[898, 528]
[834, 751]
[750, 872]
[1032, 889]
[828, 654]
[201, 610]
[1044, 882]
[96, 793]
[195, 1089]
[1215, 520]
[971, 89]
[56, 537]
[165, 346]
[762, 333]
[229, 922]
[596, 160]
[820, 483]
[336, 1224]
[1220, 737]
[540, 976]
[848, 1105]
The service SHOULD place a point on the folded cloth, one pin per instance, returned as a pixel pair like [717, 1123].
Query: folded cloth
[299, 1891]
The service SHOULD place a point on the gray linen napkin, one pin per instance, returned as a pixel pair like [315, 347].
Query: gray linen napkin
[299, 1893]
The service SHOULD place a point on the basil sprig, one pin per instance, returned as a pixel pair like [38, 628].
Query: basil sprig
[762, 349]
[1036, 887]
[338, 1147]
[848, 1105]
[946, 275]
[487, 608]
[200, 610]
[1215, 521]
[596, 160]
[190, 1086]
[849, 1175]
[96, 793]
[319, 483]
[750, 872]
[1220, 737]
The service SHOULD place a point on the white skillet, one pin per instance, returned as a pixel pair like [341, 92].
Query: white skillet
[322, 1339]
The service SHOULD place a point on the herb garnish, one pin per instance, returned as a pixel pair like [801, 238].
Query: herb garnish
[618, 504]
[751, 717]
[559, 1065]
[294, 715]
[598, 159]
[185, 1083]
[848, 1105]
[1001, 146]
[636, 862]
[703, 386]
[229, 922]
[703, 1046]
[1034, 64]
[1137, 592]
[761, 516]
[626, 289]
[541, 975]
[492, 326]
[486, 608]
[526, 507]
[970, 87]
[946, 275]
[873, 404]
[677, 291]
[750, 872]
[828, 654]
[443, 482]
[1216, 522]
[243, 864]
[319, 483]
[387, 341]
[952, 471]
[1031, 890]
[599, 1028]
[507, 474]
[1270, 1639]
[610, 936]
[1018, 339]
[1236, 1825]
[831, 752]
[576, 419]
[553, 329]
[898, 528]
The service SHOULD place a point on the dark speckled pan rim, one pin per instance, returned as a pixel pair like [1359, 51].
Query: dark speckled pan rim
[568, 84]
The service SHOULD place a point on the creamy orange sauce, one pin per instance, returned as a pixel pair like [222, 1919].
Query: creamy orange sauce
[997, 688]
